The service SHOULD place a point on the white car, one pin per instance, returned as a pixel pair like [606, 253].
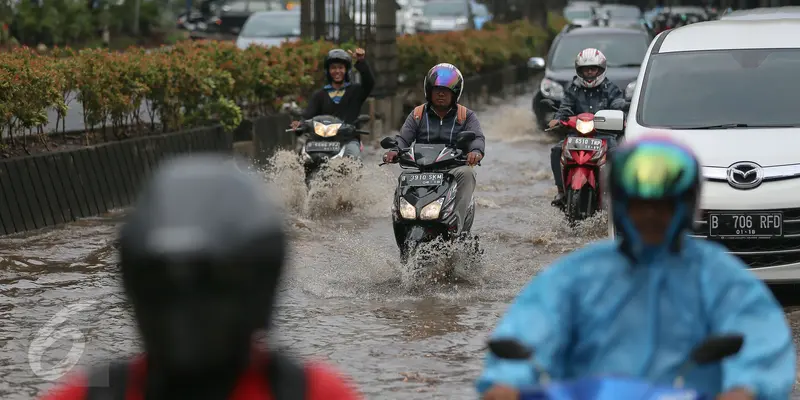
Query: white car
[727, 89]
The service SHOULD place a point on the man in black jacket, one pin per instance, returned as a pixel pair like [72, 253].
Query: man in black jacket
[589, 92]
[341, 98]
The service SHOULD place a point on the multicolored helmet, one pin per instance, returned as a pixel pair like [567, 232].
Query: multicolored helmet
[654, 168]
[444, 75]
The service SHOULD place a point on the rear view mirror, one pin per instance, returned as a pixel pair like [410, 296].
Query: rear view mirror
[464, 139]
[389, 143]
[536, 63]
[717, 348]
[609, 120]
[510, 349]
[363, 118]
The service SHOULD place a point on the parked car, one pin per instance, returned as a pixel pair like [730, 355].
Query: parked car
[580, 13]
[622, 15]
[443, 16]
[705, 84]
[270, 28]
[624, 48]
[230, 16]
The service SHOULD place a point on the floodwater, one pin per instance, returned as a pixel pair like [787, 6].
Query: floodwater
[347, 300]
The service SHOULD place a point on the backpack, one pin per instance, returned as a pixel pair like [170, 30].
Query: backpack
[287, 379]
[461, 114]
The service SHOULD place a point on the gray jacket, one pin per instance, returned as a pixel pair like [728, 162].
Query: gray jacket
[432, 129]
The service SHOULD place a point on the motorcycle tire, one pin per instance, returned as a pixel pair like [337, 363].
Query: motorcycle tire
[580, 204]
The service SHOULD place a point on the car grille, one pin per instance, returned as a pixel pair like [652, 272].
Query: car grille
[760, 253]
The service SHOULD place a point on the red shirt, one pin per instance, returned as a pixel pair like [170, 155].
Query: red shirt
[321, 383]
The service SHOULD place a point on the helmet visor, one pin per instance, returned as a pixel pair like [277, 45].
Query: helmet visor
[444, 77]
[655, 170]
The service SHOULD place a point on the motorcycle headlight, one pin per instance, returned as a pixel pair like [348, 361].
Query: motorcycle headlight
[431, 211]
[551, 89]
[407, 211]
[629, 90]
[323, 130]
[584, 127]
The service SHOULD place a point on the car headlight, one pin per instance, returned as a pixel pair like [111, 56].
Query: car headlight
[326, 130]
[584, 127]
[629, 90]
[431, 211]
[551, 89]
[407, 211]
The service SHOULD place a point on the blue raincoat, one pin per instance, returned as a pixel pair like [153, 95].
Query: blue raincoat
[595, 313]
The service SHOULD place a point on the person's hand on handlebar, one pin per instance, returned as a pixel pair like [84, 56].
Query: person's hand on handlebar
[390, 157]
[473, 158]
[499, 392]
[296, 124]
[553, 123]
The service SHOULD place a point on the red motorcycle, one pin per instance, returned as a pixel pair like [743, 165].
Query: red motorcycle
[583, 156]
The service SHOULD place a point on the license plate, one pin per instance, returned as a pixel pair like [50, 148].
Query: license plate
[584, 144]
[429, 179]
[745, 225]
[328, 147]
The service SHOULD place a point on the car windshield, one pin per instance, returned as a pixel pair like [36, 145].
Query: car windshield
[619, 49]
[623, 12]
[706, 88]
[577, 13]
[445, 9]
[274, 25]
[252, 6]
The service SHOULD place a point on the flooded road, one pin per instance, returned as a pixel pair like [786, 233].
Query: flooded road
[347, 300]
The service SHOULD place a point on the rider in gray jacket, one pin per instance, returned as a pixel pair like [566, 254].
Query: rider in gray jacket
[589, 92]
[441, 119]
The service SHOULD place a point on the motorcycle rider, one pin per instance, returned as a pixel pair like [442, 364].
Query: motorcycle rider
[443, 86]
[339, 97]
[636, 307]
[201, 257]
[590, 91]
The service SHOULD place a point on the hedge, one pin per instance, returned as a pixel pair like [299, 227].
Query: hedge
[202, 83]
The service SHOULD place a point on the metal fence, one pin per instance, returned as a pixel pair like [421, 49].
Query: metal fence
[371, 24]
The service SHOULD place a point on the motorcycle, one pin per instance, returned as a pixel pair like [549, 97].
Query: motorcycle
[424, 207]
[713, 350]
[583, 156]
[326, 140]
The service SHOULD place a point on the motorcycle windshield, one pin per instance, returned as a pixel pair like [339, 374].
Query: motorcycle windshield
[427, 154]
[610, 388]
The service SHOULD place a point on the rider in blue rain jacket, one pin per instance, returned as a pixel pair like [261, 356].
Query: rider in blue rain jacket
[638, 306]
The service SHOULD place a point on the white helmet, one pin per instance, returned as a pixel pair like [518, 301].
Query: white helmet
[590, 58]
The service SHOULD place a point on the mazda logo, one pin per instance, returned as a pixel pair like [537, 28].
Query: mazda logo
[745, 175]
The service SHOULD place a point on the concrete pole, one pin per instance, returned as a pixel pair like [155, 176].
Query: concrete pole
[136, 17]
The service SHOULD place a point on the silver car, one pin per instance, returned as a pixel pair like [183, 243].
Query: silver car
[269, 28]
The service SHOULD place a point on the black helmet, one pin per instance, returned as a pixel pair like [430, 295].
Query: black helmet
[444, 75]
[338, 56]
[201, 257]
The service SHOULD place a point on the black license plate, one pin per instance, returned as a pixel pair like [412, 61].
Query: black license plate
[328, 147]
[424, 179]
[745, 225]
[584, 144]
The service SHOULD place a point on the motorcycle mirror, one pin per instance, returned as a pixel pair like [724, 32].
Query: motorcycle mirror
[363, 118]
[389, 143]
[464, 139]
[717, 348]
[548, 103]
[510, 349]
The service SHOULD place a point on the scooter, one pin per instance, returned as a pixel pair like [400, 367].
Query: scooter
[583, 156]
[327, 138]
[425, 201]
[713, 350]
